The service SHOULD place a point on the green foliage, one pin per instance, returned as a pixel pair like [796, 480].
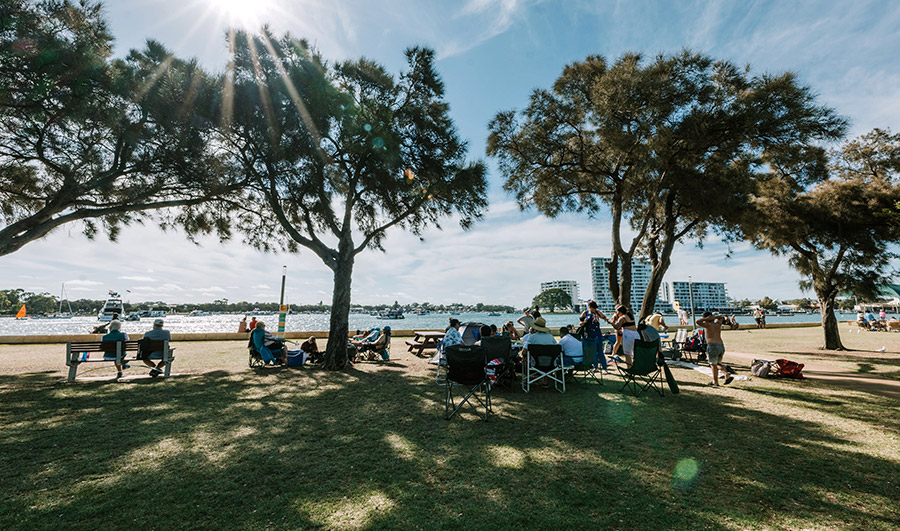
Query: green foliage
[553, 299]
[340, 153]
[768, 304]
[670, 146]
[87, 138]
[821, 210]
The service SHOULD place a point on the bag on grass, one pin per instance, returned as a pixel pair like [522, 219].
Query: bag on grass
[760, 368]
[789, 369]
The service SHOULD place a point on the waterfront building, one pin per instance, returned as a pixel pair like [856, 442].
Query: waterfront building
[569, 286]
[640, 278]
[707, 295]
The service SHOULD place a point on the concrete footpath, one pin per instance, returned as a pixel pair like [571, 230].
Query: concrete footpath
[832, 375]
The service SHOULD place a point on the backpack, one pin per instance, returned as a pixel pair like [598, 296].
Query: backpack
[789, 369]
[760, 368]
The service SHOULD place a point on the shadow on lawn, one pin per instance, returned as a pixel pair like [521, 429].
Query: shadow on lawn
[371, 448]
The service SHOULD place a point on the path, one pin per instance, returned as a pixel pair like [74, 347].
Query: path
[837, 376]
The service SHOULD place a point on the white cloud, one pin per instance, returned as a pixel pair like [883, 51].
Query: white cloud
[138, 278]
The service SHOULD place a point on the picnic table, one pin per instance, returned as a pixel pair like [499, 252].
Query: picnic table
[423, 340]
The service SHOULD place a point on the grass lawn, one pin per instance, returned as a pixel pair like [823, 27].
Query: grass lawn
[222, 446]
[802, 345]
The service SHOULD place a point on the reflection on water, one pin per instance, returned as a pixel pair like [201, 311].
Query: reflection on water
[313, 322]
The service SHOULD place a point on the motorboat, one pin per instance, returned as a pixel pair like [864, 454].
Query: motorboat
[199, 313]
[391, 314]
[113, 307]
[133, 317]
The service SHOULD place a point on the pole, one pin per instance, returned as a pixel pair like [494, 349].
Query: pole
[282, 309]
[691, 290]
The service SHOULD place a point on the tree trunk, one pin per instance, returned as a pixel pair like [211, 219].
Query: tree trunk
[661, 265]
[830, 324]
[625, 282]
[338, 330]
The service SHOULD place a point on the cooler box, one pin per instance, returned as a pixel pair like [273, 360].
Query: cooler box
[295, 358]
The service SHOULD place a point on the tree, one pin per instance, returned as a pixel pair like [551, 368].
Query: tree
[85, 138]
[338, 154]
[670, 147]
[827, 215]
[553, 299]
[768, 304]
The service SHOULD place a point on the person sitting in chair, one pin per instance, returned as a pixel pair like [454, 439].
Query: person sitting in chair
[375, 347]
[272, 346]
[311, 349]
[157, 333]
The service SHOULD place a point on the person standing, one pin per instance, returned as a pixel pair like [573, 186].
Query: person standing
[526, 321]
[242, 327]
[253, 323]
[715, 347]
[590, 320]
[757, 316]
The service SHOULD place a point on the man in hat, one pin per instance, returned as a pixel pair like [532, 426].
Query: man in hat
[157, 333]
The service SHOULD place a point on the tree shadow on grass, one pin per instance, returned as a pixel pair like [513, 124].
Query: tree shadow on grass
[370, 448]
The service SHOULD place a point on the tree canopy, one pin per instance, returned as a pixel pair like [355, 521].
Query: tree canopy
[833, 217]
[669, 146]
[87, 138]
[337, 154]
[553, 299]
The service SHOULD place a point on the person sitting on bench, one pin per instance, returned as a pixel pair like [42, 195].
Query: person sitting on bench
[157, 333]
[115, 334]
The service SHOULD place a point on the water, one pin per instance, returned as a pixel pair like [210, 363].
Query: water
[318, 322]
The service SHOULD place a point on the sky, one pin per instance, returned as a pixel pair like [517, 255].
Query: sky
[491, 55]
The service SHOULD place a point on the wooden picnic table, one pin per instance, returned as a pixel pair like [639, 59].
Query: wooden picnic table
[422, 340]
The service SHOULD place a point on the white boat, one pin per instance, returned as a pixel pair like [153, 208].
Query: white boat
[59, 313]
[111, 308]
[198, 313]
[391, 314]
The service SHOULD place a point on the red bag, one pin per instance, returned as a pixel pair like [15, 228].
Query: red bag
[788, 369]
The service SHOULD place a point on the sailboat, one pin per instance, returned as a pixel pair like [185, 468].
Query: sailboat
[59, 313]
[21, 313]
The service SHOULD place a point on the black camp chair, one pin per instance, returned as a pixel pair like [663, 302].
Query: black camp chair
[500, 348]
[544, 361]
[466, 377]
[588, 366]
[644, 369]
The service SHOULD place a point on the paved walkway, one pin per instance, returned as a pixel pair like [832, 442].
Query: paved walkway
[868, 383]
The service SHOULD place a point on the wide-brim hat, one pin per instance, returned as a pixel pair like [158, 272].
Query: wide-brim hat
[540, 325]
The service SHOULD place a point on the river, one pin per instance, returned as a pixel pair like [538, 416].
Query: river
[317, 322]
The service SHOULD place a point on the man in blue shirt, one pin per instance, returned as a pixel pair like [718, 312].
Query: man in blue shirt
[572, 349]
[115, 334]
[159, 334]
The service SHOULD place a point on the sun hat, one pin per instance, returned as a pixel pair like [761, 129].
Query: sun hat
[540, 325]
[158, 322]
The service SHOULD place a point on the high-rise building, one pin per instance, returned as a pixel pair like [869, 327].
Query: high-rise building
[640, 278]
[569, 286]
[707, 295]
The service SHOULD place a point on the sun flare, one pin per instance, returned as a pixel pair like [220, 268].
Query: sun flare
[244, 12]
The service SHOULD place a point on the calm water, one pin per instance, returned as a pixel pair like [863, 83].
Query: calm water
[316, 322]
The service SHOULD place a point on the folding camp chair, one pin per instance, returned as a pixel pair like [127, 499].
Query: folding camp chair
[501, 372]
[588, 366]
[644, 369]
[673, 346]
[466, 377]
[544, 361]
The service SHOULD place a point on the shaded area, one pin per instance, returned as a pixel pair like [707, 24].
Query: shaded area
[242, 449]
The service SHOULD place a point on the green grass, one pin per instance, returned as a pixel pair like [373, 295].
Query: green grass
[223, 446]
[803, 345]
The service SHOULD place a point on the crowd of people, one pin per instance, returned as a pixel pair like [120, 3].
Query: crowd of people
[869, 321]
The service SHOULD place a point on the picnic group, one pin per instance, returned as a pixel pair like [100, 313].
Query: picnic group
[619, 345]
[868, 321]
[375, 343]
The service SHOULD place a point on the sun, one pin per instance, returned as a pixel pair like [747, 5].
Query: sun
[248, 13]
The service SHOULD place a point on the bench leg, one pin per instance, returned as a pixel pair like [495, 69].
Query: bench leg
[73, 368]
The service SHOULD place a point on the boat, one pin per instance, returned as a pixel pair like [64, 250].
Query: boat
[199, 313]
[59, 313]
[391, 314]
[113, 307]
[494, 314]
[21, 313]
[133, 317]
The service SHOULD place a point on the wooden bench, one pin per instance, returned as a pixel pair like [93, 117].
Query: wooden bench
[103, 351]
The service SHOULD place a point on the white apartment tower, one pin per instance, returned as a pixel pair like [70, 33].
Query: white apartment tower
[640, 278]
[569, 286]
[707, 295]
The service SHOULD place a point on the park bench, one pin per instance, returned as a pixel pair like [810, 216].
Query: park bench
[78, 352]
